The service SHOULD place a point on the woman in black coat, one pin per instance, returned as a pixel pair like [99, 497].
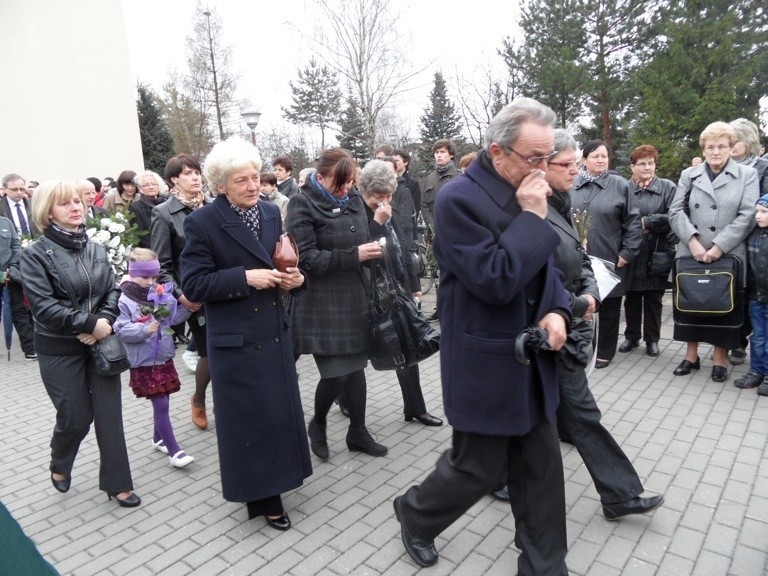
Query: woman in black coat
[378, 184]
[227, 264]
[652, 197]
[330, 322]
[73, 299]
[578, 417]
[167, 237]
[614, 234]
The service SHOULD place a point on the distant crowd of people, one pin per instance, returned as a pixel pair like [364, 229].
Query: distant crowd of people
[510, 262]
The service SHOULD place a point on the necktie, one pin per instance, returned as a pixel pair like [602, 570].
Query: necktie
[22, 219]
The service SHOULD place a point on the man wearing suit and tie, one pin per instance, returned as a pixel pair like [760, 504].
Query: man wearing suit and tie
[16, 207]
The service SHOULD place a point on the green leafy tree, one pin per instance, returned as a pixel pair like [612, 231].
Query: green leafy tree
[317, 99]
[615, 35]
[548, 63]
[711, 63]
[156, 138]
[353, 135]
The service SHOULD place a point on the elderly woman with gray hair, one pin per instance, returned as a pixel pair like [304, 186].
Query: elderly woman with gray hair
[746, 151]
[712, 214]
[152, 192]
[227, 263]
[378, 182]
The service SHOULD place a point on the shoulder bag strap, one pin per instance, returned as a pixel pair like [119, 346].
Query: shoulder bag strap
[64, 278]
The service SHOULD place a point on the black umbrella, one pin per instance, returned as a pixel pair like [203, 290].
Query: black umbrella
[7, 319]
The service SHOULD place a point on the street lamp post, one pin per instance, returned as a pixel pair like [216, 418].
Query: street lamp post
[252, 119]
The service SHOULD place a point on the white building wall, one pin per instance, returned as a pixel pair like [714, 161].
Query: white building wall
[67, 97]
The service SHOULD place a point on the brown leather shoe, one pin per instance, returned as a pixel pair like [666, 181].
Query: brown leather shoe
[199, 418]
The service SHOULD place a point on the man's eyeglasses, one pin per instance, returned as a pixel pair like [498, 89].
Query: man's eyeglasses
[22, 189]
[533, 160]
[566, 165]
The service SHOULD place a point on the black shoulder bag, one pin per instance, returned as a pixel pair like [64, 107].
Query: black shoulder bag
[399, 335]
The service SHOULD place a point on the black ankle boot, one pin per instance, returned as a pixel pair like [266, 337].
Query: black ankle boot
[317, 439]
[360, 440]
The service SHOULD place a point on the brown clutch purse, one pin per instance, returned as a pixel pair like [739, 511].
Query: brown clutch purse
[286, 253]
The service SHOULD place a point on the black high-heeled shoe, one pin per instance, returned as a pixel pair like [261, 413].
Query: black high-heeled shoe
[128, 502]
[60, 485]
[427, 420]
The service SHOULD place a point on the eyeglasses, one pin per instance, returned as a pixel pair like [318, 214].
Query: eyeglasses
[533, 160]
[148, 184]
[566, 165]
[22, 189]
[720, 148]
[645, 164]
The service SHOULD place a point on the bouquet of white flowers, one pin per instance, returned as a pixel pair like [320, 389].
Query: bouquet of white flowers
[117, 234]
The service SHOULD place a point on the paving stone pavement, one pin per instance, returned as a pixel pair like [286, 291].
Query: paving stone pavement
[703, 444]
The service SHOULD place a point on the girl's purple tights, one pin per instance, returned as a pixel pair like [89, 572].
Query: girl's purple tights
[163, 428]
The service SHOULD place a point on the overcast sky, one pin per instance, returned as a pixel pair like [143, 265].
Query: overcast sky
[268, 50]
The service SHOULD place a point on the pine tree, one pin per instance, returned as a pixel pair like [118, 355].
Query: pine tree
[440, 118]
[711, 64]
[547, 64]
[353, 137]
[156, 138]
[316, 99]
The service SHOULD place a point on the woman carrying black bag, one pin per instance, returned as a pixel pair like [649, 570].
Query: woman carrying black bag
[65, 262]
[646, 284]
[712, 214]
[378, 182]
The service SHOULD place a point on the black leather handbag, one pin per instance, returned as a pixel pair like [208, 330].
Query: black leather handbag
[660, 261]
[108, 356]
[399, 335]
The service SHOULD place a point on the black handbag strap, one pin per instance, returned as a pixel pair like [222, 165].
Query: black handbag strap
[687, 199]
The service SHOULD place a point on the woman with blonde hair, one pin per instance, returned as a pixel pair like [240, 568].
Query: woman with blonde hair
[73, 299]
[712, 213]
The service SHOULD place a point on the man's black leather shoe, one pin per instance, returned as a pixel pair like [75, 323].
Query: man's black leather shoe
[423, 552]
[637, 505]
[502, 494]
[652, 349]
[628, 345]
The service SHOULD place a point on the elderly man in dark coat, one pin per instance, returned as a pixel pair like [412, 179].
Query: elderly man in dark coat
[226, 263]
[495, 251]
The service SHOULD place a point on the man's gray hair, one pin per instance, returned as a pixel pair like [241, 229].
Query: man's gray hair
[564, 141]
[377, 176]
[8, 178]
[504, 129]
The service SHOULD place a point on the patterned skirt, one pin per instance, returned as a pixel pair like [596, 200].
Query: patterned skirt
[148, 381]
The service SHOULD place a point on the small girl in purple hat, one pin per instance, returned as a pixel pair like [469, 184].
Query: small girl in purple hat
[147, 312]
